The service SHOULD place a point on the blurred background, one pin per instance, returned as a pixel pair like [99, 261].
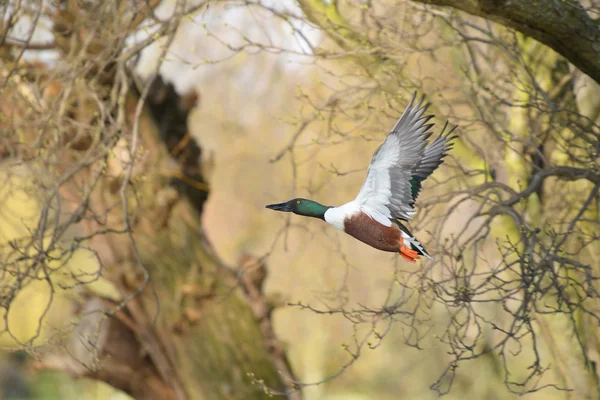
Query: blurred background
[290, 99]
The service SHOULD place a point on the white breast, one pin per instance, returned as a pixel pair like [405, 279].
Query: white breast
[335, 216]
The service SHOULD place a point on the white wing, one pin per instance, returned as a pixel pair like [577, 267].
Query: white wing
[386, 192]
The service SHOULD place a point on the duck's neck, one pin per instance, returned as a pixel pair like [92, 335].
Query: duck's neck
[310, 208]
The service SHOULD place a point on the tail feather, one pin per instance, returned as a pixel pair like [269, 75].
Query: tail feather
[411, 248]
[420, 249]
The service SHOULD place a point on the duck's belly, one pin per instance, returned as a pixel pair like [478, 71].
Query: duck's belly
[371, 232]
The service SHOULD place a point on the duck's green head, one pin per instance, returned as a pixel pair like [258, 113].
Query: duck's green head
[304, 207]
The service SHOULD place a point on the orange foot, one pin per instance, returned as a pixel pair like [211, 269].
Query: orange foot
[409, 255]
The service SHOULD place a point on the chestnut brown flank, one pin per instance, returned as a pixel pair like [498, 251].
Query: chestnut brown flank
[371, 232]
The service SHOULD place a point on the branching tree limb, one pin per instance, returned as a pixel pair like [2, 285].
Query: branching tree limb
[517, 231]
[565, 26]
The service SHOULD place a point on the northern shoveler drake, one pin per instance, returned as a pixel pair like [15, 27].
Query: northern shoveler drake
[398, 168]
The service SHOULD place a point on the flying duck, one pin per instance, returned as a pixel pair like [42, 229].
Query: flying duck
[398, 168]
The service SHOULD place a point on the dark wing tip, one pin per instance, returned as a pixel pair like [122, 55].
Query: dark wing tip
[413, 114]
[412, 100]
[427, 118]
[447, 136]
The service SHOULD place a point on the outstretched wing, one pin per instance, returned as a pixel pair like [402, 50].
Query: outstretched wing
[386, 192]
[432, 158]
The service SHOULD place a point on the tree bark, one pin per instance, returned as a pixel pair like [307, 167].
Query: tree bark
[561, 25]
[182, 325]
[199, 329]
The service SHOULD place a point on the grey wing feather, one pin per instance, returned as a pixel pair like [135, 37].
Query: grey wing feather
[434, 154]
[386, 192]
[433, 157]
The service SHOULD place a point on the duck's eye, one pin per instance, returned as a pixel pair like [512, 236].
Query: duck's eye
[297, 201]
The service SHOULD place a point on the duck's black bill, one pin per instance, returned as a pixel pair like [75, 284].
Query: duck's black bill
[280, 207]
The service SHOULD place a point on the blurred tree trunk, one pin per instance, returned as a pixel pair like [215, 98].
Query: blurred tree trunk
[199, 329]
[171, 321]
